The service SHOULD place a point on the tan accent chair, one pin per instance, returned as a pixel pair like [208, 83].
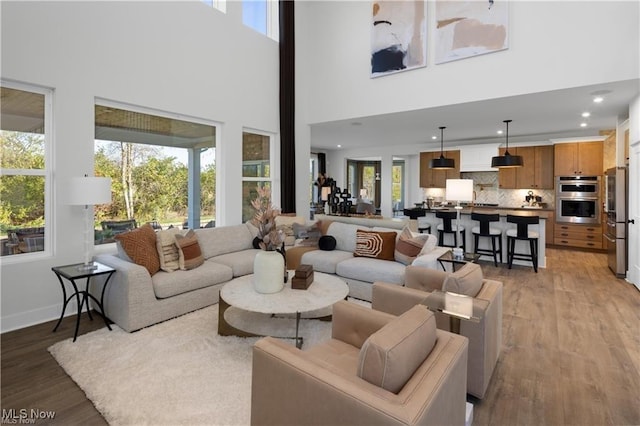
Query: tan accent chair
[485, 337]
[338, 383]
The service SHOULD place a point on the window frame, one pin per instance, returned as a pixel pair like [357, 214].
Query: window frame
[274, 165]
[46, 172]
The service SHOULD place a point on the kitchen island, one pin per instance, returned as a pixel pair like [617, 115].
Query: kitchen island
[521, 246]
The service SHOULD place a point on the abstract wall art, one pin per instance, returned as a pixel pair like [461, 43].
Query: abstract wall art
[470, 28]
[398, 36]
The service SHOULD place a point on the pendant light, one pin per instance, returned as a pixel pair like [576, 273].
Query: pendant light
[507, 160]
[442, 163]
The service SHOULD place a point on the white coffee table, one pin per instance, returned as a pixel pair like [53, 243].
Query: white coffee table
[239, 293]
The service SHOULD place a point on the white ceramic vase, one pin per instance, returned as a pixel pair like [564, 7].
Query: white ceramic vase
[267, 272]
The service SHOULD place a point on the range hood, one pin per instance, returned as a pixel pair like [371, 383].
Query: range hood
[477, 158]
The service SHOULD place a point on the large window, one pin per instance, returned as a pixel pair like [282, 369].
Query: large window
[24, 183]
[397, 182]
[262, 16]
[257, 166]
[162, 170]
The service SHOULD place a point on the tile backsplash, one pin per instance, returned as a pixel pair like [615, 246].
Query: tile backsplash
[487, 191]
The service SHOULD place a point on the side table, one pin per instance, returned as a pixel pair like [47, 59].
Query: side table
[73, 273]
[449, 258]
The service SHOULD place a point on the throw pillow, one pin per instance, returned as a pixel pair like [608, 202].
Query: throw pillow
[429, 245]
[378, 245]
[167, 249]
[189, 251]
[140, 246]
[466, 280]
[327, 243]
[391, 355]
[409, 246]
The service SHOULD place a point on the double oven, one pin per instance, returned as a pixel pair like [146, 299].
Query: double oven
[578, 199]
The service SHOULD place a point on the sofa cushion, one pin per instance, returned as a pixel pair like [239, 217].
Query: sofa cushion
[409, 246]
[285, 224]
[325, 261]
[430, 244]
[466, 280]
[167, 284]
[379, 245]
[345, 235]
[167, 249]
[327, 243]
[190, 255]
[225, 239]
[241, 262]
[390, 356]
[370, 270]
[140, 246]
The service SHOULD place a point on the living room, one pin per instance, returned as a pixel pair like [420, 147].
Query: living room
[170, 57]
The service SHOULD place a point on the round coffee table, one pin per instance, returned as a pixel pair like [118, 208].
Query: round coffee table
[239, 293]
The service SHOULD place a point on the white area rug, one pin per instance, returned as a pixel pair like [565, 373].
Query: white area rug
[176, 372]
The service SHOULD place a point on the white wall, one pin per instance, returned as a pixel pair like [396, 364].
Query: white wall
[553, 45]
[180, 57]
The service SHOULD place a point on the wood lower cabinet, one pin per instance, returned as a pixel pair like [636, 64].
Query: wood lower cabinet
[430, 178]
[576, 235]
[578, 159]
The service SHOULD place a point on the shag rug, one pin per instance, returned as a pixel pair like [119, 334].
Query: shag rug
[176, 372]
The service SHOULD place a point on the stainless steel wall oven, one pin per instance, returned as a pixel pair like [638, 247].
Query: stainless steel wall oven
[578, 199]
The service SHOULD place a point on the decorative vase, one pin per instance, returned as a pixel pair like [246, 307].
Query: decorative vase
[267, 272]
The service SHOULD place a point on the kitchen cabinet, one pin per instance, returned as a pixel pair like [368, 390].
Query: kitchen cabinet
[430, 178]
[578, 235]
[536, 172]
[578, 158]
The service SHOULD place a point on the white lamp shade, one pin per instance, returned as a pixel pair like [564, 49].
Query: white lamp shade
[363, 192]
[459, 190]
[88, 191]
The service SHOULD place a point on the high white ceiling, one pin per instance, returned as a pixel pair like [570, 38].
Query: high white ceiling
[536, 117]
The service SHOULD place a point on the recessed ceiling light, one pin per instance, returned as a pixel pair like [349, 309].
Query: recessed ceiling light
[499, 132]
[339, 146]
[586, 114]
[583, 124]
[598, 99]
[434, 137]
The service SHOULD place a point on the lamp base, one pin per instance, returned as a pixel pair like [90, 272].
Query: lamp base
[87, 267]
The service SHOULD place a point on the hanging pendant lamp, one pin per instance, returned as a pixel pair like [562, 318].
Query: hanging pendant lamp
[442, 163]
[507, 160]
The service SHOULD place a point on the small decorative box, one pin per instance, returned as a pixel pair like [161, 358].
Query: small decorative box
[301, 283]
[303, 271]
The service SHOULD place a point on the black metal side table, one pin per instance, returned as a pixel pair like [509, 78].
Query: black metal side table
[450, 258]
[75, 272]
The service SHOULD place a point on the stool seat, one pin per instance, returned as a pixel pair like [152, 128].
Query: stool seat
[423, 225]
[484, 230]
[514, 233]
[453, 228]
[492, 231]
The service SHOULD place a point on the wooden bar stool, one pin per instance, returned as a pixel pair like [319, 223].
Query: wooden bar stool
[486, 231]
[447, 228]
[522, 233]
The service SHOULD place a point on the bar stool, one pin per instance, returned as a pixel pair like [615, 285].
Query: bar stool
[423, 225]
[522, 233]
[485, 230]
[446, 228]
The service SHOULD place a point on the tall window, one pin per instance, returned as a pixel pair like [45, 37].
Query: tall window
[256, 168]
[25, 207]
[221, 5]
[397, 182]
[262, 16]
[162, 171]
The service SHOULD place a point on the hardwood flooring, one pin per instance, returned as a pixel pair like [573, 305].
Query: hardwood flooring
[571, 352]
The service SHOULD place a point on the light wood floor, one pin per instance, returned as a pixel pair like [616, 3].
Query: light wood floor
[571, 352]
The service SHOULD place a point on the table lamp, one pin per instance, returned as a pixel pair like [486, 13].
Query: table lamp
[88, 191]
[459, 190]
[326, 192]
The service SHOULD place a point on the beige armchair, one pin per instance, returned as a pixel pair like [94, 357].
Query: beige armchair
[485, 337]
[377, 369]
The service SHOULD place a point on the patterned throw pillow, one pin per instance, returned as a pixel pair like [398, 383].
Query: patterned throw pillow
[409, 246]
[167, 249]
[190, 255]
[140, 246]
[379, 245]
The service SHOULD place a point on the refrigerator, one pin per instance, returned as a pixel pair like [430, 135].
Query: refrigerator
[615, 207]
